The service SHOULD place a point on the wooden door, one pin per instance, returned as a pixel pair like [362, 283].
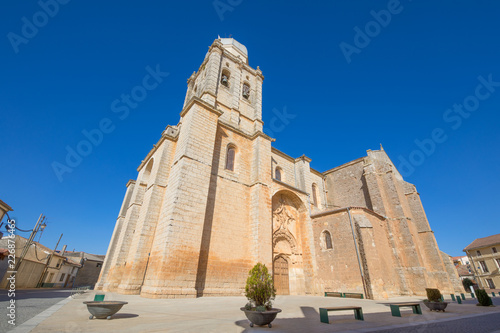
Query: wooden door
[281, 276]
[67, 280]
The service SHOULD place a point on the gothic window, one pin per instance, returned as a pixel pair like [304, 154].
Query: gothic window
[328, 240]
[231, 152]
[315, 195]
[246, 91]
[224, 80]
[277, 173]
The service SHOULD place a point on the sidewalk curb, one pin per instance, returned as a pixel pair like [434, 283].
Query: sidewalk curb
[29, 325]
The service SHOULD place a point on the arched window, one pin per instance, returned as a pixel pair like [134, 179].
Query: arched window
[231, 152]
[277, 173]
[224, 79]
[328, 240]
[246, 91]
[315, 195]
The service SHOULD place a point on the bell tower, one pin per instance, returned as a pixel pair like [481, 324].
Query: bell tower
[226, 82]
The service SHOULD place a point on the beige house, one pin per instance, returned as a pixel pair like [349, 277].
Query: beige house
[32, 266]
[4, 208]
[91, 265]
[60, 272]
[484, 256]
[213, 198]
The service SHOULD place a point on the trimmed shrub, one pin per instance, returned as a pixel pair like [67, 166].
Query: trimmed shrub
[483, 298]
[433, 295]
[260, 288]
[467, 283]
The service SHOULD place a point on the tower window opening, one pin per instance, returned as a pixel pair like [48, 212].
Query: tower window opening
[224, 80]
[246, 91]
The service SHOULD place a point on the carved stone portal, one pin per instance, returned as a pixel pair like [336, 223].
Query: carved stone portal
[286, 248]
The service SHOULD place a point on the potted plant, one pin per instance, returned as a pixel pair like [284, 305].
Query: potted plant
[433, 301]
[260, 292]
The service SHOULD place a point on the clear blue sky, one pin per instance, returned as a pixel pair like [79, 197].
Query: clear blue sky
[396, 89]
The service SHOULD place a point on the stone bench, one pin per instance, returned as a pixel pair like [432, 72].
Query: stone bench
[323, 312]
[353, 295]
[333, 294]
[397, 313]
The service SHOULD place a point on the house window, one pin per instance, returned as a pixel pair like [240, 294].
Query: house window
[62, 277]
[99, 264]
[49, 280]
[328, 240]
[498, 262]
[490, 283]
[59, 263]
[246, 91]
[478, 253]
[277, 174]
[494, 249]
[484, 267]
[314, 195]
[231, 152]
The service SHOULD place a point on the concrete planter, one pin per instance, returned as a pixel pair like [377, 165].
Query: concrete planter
[103, 309]
[261, 318]
[436, 306]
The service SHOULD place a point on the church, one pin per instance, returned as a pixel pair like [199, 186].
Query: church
[214, 197]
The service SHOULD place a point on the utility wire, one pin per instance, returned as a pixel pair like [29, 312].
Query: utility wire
[15, 226]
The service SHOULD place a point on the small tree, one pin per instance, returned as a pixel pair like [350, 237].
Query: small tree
[433, 295]
[483, 298]
[260, 288]
[467, 283]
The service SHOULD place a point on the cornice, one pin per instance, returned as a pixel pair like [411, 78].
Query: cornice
[248, 136]
[282, 154]
[334, 211]
[196, 100]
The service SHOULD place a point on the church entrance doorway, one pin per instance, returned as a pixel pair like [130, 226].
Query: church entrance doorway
[289, 214]
[281, 277]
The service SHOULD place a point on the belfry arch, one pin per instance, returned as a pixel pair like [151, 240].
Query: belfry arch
[289, 214]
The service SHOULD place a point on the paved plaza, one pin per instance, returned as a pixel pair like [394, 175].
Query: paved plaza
[222, 314]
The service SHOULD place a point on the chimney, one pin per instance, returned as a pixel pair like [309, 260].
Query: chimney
[63, 249]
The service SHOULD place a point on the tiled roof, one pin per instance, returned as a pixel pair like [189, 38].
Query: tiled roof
[463, 271]
[482, 242]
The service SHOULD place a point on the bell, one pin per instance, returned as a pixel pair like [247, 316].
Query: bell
[224, 80]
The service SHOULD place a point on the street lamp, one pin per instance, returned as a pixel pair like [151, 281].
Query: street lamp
[41, 228]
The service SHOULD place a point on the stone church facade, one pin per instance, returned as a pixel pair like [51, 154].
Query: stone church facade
[213, 198]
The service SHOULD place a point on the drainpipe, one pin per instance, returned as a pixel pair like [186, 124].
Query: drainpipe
[357, 251]
[474, 270]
